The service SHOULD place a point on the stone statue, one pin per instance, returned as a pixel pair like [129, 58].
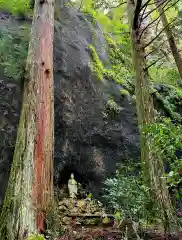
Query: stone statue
[72, 186]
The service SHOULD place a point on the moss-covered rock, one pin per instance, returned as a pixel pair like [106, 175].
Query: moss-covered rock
[96, 64]
[124, 92]
[112, 108]
[120, 69]
[13, 50]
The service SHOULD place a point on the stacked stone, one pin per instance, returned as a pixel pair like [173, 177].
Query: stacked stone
[68, 207]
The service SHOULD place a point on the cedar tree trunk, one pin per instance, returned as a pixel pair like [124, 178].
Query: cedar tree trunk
[151, 160]
[30, 186]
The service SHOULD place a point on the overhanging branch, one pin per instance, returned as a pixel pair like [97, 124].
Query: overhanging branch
[153, 63]
[159, 33]
[165, 1]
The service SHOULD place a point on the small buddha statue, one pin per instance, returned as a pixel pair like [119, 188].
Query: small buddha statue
[72, 186]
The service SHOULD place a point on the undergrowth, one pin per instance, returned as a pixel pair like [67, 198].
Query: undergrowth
[167, 138]
[125, 192]
[129, 197]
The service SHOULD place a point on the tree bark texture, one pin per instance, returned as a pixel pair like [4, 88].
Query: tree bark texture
[170, 37]
[151, 159]
[30, 187]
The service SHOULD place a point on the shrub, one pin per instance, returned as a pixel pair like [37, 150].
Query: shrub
[128, 197]
[167, 140]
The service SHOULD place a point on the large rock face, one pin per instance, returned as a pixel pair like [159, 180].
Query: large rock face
[86, 143]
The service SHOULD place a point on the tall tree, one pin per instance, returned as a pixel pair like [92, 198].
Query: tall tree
[169, 35]
[30, 186]
[153, 170]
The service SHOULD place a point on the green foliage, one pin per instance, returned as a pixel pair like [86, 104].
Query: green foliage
[164, 74]
[16, 7]
[52, 220]
[116, 33]
[120, 70]
[113, 23]
[13, 51]
[169, 101]
[174, 95]
[96, 65]
[128, 197]
[167, 138]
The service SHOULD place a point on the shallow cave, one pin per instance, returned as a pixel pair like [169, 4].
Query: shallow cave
[64, 177]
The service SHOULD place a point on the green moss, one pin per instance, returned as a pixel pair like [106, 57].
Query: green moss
[112, 108]
[35, 237]
[118, 71]
[113, 74]
[124, 92]
[16, 7]
[96, 65]
[114, 51]
[110, 41]
[13, 51]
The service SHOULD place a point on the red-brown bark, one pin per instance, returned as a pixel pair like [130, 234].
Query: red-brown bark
[43, 147]
[30, 187]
